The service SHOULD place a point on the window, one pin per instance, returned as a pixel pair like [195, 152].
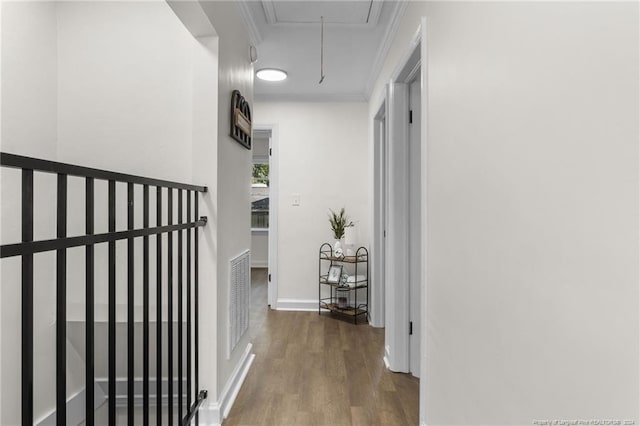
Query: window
[260, 175]
[260, 196]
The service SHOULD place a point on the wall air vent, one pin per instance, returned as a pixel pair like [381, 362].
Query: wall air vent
[239, 298]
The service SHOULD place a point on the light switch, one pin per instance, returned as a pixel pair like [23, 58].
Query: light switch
[295, 199]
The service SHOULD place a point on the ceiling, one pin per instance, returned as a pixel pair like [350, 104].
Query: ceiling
[357, 36]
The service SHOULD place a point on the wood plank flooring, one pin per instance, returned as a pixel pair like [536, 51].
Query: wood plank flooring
[315, 369]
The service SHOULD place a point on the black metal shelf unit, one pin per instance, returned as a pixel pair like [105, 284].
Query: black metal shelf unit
[343, 296]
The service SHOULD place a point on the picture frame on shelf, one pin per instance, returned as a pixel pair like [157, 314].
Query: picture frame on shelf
[335, 274]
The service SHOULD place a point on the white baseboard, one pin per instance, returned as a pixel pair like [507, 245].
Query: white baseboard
[297, 305]
[374, 321]
[213, 413]
[387, 364]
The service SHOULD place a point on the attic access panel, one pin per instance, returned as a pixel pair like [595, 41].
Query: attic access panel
[334, 12]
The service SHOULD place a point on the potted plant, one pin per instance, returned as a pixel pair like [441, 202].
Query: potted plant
[339, 222]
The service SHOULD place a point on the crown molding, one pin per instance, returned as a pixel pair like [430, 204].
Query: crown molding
[255, 38]
[392, 28]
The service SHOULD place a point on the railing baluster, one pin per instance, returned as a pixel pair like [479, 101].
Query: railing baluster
[28, 247]
[112, 305]
[90, 302]
[180, 337]
[145, 307]
[61, 306]
[159, 308]
[130, 306]
[170, 304]
[189, 219]
[196, 306]
[27, 300]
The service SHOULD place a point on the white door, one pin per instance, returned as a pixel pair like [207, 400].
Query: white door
[272, 286]
[415, 252]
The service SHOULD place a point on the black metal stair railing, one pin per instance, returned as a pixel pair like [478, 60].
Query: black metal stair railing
[28, 247]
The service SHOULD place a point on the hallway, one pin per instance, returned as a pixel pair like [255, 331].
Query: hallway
[318, 370]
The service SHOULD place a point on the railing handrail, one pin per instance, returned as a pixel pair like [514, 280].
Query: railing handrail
[31, 247]
[47, 166]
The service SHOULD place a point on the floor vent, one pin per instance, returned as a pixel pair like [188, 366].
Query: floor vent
[239, 298]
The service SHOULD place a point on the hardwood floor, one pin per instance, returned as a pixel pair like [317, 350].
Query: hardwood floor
[315, 369]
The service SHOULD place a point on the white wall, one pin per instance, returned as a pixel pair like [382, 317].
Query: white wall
[29, 77]
[232, 216]
[323, 156]
[132, 90]
[29, 127]
[205, 157]
[532, 286]
[121, 86]
[125, 85]
[259, 249]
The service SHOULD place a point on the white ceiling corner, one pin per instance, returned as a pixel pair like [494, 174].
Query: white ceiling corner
[255, 38]
[193, 17]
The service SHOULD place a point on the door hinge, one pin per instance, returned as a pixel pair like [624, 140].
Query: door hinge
[384, 234]
[410, 116]
[269, 277]
[270, 151]
[410, 328]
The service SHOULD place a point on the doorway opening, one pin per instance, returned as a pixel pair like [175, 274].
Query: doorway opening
[264, 197]
[260, 197]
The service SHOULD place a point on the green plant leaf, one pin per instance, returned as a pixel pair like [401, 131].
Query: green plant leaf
[339, 222]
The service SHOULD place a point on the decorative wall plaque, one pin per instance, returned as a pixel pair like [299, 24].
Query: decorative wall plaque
[240, 119]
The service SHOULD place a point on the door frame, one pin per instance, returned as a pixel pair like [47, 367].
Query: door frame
[272, 284]
[414, 218]
[397, 317]
[397, 247]
[379, 198]
[424, 208]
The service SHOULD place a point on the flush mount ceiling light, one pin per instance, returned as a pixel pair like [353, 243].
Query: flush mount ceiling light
[271, 74]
